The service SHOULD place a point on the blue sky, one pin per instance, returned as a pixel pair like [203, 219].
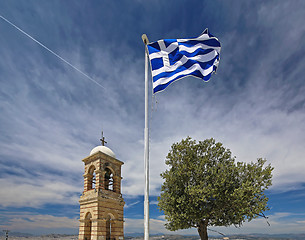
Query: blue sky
[51, 116]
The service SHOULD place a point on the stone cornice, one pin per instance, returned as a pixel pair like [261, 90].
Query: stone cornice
[102, 156]
[100, 220]
[93, 196]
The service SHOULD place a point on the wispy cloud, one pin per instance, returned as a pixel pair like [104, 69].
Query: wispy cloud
[131, 204]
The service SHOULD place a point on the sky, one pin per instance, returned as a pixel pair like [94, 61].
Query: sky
[51, 116]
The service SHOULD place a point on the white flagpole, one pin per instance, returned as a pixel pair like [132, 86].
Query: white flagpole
[146, 147]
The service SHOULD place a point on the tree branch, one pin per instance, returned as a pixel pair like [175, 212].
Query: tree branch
[263, 215]
[216, 232]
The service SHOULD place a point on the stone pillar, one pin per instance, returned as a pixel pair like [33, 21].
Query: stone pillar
[94, 229]
[101, 232]
[117, 232]
[99, 184]
[81, 235]
[85, 227]
[117, 184]
[87, 181]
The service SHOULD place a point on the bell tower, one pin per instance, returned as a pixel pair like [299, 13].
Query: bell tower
[101, 204]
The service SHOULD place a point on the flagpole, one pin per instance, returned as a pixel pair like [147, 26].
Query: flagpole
[146, 147]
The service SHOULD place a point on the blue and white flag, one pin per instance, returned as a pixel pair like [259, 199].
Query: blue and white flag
[173, 59]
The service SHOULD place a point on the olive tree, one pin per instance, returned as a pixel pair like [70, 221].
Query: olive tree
[204, 186]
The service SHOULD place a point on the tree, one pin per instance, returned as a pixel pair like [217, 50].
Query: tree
[205, 187]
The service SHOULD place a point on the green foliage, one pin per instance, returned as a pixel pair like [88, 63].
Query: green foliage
[204, 186]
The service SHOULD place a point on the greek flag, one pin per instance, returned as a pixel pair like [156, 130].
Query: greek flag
[173, 59]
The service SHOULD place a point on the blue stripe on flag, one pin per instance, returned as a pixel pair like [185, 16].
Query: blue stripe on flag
[209, 42]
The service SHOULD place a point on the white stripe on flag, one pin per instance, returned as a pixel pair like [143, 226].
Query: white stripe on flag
[193, 68]
[197, 46]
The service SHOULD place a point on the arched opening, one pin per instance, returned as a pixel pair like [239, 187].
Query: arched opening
[108, 179]
[91, 178]
[88, 226]
[108, 227]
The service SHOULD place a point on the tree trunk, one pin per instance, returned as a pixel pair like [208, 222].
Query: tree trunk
[203, 229]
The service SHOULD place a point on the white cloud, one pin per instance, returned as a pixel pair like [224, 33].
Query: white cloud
[156, 226]
[30, 222]
[153, 202]
[36, 192]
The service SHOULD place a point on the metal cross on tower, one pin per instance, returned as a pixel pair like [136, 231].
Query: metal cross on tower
[103, 139]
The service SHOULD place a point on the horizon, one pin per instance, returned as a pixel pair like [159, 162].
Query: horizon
[52, 115]
[141, 234]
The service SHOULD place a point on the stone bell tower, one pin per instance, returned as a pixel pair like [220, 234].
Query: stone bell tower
[101, 204]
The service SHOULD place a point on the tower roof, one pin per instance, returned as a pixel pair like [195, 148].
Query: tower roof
[103, 149]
